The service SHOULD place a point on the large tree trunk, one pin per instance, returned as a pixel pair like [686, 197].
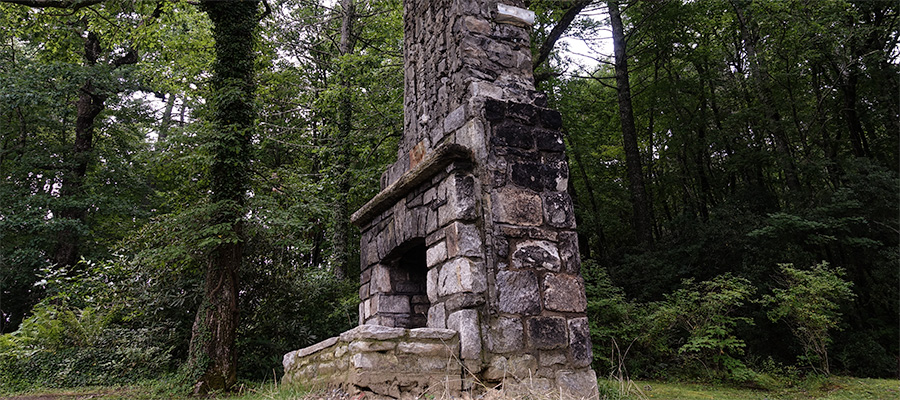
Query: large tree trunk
[213, 358]
[88, 107]
[643, 210]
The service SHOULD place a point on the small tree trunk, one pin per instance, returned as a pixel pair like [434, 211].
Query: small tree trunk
[166, 118]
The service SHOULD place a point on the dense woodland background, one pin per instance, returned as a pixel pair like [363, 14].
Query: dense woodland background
[734, 166]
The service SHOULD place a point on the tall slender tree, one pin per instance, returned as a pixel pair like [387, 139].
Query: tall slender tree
[641, 203]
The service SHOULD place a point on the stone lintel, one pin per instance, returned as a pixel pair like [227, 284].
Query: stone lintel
[424, 170]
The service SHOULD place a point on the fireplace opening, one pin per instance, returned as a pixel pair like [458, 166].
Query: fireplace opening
[409, 279]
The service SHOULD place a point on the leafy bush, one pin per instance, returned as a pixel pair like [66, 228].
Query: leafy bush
[808, 302]
[705, 313]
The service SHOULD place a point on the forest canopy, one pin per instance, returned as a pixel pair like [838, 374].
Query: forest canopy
[733, 164]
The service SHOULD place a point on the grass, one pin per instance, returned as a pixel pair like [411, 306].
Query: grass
[834, 388]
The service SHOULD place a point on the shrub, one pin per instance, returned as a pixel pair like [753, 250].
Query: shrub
[705, 313]
[808, 302]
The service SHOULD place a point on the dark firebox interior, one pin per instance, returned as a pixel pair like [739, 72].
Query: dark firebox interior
[409, 278]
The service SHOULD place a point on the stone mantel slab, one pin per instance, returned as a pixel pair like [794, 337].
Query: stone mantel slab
[430, 165]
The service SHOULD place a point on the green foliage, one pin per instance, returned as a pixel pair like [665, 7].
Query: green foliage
[808, 302]
[82, 335]
[705, 312]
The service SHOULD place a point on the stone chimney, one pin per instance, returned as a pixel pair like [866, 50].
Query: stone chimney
[473, 233]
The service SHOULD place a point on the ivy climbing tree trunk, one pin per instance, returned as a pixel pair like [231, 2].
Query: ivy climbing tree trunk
[212, 351]
[341, 212]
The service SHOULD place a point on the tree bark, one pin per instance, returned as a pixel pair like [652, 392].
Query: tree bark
[642, 208]
[166, 122]
[341, 208]
[212, 352]
[89, 105]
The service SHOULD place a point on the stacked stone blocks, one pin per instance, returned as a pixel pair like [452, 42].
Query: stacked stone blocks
[388, 361]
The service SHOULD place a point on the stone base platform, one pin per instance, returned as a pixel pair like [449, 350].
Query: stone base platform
[391, 362]
[397, 363]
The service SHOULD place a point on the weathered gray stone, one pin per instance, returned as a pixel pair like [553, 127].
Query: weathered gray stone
[463, 300]
[563, 292]
[443, 335]
[437, 316]
[381, 279]
[497, 369]
[552, 357]
[477, 25]
[519, 367]
[466, 323]
[461, 275]
[484, 89]
[431, 364]
[559, 211]
[580, 342]
[506, 335]
[463, 240]
[368, 346]
[517, 206]
[568, 252]
[436, 254]
[317, 347]
[425, 349]
[582, 383]
[514, 15]
[455, 119]
[373, 332]
[289, 360]
[547, 332]
[374, 361]
[391, 304]
[472, 136]
[432, 281]
[536, 254]
[518, 292]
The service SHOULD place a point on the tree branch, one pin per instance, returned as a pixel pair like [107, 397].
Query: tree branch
[558, 30]
[65, 4]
